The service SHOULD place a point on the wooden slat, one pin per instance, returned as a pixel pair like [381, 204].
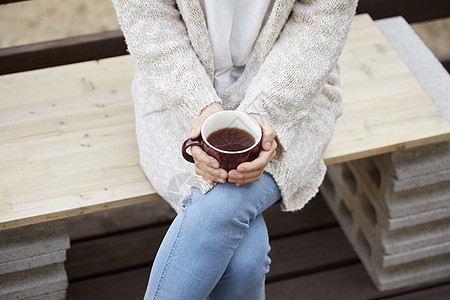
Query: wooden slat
[441, 292]
[445, 61]
[128, 285]
[131, 248]
[349, 283]
[383, 102]
[309, 252]
[411, 10]
[118, 220]
[61, 52]
[113, 253]
[314, 215]
[68, 147]
[297, 254]
[11, 1]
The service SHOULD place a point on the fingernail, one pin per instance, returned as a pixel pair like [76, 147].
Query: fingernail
[223, 175]
[214, 164]
[268, 145]
[193, 133]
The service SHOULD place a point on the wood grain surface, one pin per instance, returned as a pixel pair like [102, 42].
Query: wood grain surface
[67, 136]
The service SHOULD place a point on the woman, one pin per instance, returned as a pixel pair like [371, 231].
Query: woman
[192, 60]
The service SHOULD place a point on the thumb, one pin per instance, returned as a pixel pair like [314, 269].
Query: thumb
[195, 127]
[268, 134]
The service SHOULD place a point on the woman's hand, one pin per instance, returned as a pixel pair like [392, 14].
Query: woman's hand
[205, 165]
[252, 171]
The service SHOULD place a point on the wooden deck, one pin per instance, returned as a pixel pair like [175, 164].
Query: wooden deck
[111, 256]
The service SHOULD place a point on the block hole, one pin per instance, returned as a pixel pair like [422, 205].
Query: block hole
[373, 172]
[328, 188]
[347, 216]
[368, 209]
[364, 245]
[349, 179]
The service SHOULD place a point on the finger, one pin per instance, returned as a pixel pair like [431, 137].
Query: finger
[239, 177]
[194, 128]
[207, 176]
[268, 136]
[208, 165]
[260, 162]
[199, 155]
[219, 175]
[253, 179]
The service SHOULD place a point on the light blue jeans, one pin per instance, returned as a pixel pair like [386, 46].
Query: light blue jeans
[217, 247]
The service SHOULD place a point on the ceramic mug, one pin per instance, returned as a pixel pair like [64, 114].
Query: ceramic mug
[228, 159]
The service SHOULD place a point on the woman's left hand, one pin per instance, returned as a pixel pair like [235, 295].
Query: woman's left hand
[252, 171]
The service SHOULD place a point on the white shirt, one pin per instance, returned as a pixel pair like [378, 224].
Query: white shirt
[233, 27]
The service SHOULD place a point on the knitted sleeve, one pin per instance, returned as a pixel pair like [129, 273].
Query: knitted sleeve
[297, 87]
[157, 38]
[301, 59]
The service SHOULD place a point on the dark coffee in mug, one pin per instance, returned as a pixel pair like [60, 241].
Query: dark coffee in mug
[231, 139]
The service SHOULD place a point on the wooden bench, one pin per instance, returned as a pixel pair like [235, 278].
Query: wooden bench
[67, 142]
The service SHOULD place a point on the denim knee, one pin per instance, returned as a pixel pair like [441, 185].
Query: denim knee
[252, 268]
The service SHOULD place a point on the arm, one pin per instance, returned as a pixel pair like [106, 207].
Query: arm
[301, 60]
[157, 39]
[297, 90]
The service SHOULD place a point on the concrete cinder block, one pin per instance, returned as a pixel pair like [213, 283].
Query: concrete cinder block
[32, 240]
[58, 295]
[421, 180]
[373, 176]
[33, 262]
[395, 270]
[357, 206]
[33, 283]
[375, 208]
[414, 162]
[416, 272]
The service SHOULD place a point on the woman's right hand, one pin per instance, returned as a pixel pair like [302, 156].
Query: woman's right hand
[205, 165]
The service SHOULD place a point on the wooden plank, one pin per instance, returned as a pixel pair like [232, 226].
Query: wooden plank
[74, 49]
[11, 1]
[349, 282]
[94, 256]
[309, 252]
[445, 61]
[383, 101]
[441, 292]
[71, 143]
[60, 52]
[315, 215]
[124, 251]
[118, 220]
[113, 253]
[128, 285]
[411, 10]
[297, 254]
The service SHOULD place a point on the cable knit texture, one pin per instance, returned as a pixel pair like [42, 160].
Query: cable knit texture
[292, 78]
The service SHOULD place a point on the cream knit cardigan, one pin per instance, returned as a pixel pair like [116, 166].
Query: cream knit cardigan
[292, 78]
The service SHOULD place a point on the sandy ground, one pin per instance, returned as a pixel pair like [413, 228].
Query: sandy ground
[35, 21]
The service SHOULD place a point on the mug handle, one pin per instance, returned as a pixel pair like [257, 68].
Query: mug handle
[191, 142]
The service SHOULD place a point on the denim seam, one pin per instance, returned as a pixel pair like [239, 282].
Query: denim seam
[172, 252]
